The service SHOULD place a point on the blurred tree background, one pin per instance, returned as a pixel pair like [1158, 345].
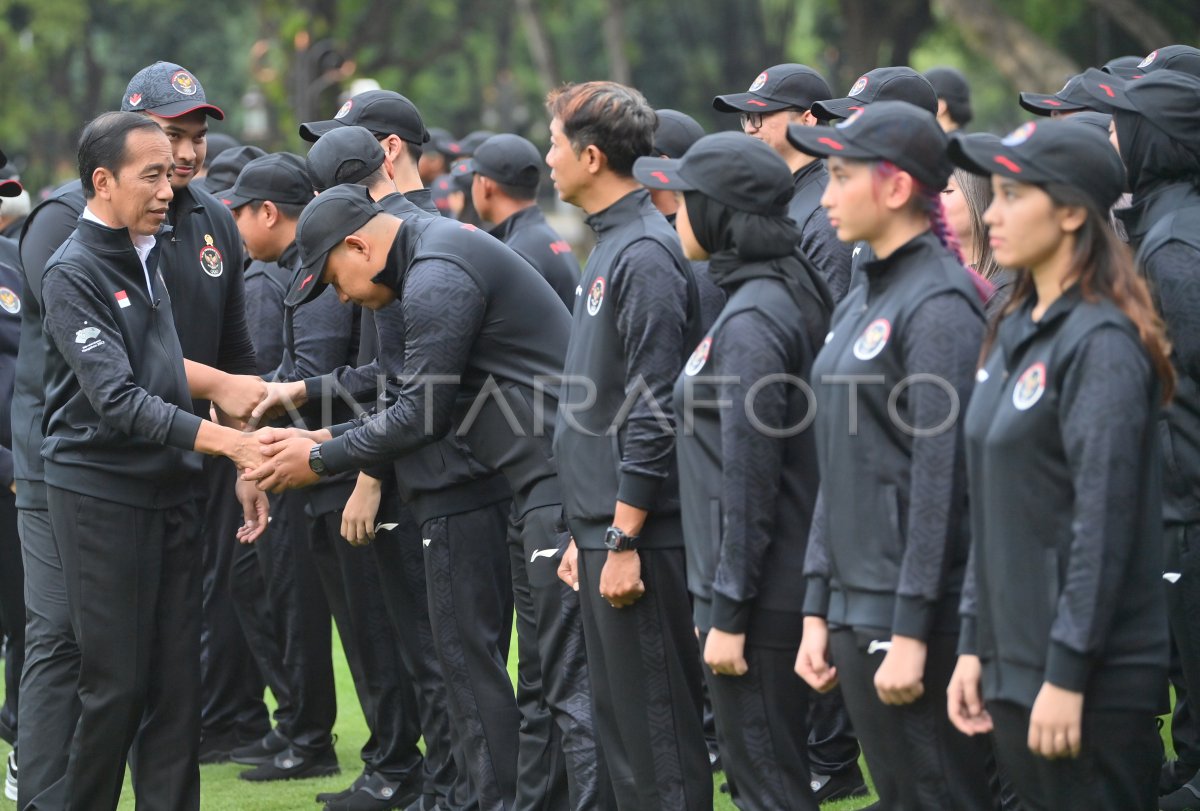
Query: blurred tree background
[472, 64]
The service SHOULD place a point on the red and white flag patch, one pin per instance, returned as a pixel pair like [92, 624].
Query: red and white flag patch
[122, 299]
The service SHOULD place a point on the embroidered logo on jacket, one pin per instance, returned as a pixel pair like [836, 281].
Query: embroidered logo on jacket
[210, 258]
[596, 296]
[699, 358]
[1030, 387]
[9, 301]
[873, 339]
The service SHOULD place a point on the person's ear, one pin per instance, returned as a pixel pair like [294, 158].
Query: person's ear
[103, 181]
[898, 190]
[1071, 218]
[270, 213]
[358, 246]
[594, 160]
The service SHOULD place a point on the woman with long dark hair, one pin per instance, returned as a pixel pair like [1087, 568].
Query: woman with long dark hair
[965, 198]
[748, 472]
[1064, 633]
[888, 546]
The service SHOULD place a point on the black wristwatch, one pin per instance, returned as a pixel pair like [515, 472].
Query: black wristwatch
[617, 541]
[315, 462]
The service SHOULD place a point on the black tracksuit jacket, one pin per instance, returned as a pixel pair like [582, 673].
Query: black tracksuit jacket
[118, 422]
[1066, 556]
[889, 541]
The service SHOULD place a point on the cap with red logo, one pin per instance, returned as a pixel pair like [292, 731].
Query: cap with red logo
[10, 186]
[1183, 58]
[898, 83]
[1061, 151]
[326, 221]
[383, 112]
[1071, 99]
[730, 167]
[1168, 99]
[781, 87]
[167, 90]
[895, 131]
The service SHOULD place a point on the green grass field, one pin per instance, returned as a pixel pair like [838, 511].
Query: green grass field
[221, 790]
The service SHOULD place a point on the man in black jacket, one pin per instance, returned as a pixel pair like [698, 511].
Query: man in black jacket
[506, 172]
[615, 444]
[119, 478]
[485, 374]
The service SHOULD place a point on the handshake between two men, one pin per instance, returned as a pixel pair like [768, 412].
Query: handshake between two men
[270, 459]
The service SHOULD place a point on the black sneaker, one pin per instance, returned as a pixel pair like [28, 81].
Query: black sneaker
[218, 747]
[840, 786]
[292, 765]
[261, 751]
[377, 793]
[1186, 798]
[334, 796]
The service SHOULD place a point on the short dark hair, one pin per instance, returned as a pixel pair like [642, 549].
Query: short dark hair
[959, 111]
[516, 192]
[290, 211]
[378, 176]
[612, 117]
[102, 144]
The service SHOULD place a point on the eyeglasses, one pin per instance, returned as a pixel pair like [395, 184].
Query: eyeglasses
[751, 120]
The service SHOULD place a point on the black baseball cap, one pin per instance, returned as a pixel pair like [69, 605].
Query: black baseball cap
[1124, 66]
[472, 141]
[382, 112]
[218, 142]
[224, 170]
[675, 133]
[1060, 151]
[443, 142]
[167, 90]
[280, 177]
[730, 167]
[1183, 58]
[9, 186]
[950, 84]
[461, 174]
[507, 159]
[1168, 99]
[1071, 99]
[344, 155]
[894, 131]
[439, 191]
[328, 219]
[780, 87]
[900, 83]
[1093, 118]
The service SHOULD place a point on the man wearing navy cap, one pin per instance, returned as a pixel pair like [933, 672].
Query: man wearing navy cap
[783, 95]
[506, 171]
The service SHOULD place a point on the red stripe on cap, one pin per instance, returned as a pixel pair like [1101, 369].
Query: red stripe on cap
[226, 202]
[1053, 103]
[855, 108]
[1007, 164]
[756, 101]
[830, 142]
[307, 279]
[660, 176]
[1108, 90]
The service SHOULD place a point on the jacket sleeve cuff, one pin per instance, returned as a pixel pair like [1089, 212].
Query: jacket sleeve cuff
[967, 637]
[313, 386]
[184, 428]
[337, 430]
[913, 617]
[729, 615]
[638, 490]
[1067, 669]
[816, 597]
[336, 456]
[381, 472]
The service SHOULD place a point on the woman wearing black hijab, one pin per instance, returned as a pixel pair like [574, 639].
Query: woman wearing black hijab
[748, 473]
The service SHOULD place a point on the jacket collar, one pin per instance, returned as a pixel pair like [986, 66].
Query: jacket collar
[629, 208]
[914, 256]
[812, 173]
[1019, 328]
[524, 217]
[112, 240]
[1149, 208]
[183, 204]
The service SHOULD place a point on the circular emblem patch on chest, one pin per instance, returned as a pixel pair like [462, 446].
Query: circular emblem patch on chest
[595, 296]
[211, 261]
[873, 339]
[1030, 387]
[9, 301]
[699, 358]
